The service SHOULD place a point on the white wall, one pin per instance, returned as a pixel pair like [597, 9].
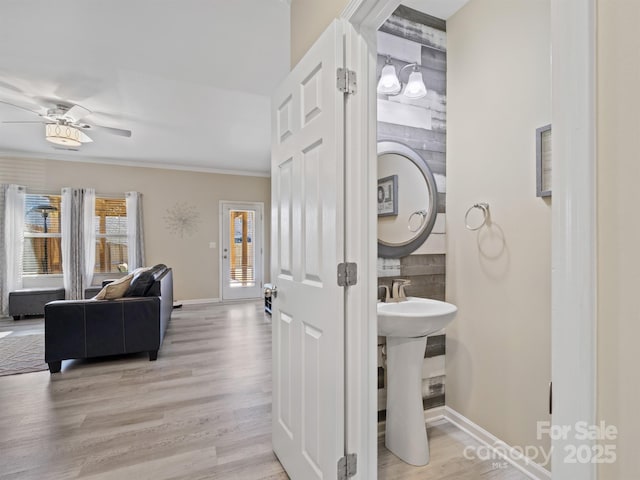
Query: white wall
[619, 231]
[499, 92]
[309, 18]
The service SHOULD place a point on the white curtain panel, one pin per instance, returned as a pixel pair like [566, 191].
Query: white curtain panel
[65, 229]
[135, 234]
[14, 206]
[72, 243]
[89, 235]
[3, 258]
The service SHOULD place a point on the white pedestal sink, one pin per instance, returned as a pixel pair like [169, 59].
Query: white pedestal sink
[406, 325]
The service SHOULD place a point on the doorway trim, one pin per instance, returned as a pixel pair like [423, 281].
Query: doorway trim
[574, 228]
[259, 207]
[574, 234]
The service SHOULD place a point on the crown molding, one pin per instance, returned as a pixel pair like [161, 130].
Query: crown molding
[133, 163]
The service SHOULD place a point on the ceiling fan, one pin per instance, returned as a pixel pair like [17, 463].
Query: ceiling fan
[65, 124]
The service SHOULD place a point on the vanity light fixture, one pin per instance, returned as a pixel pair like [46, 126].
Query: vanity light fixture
[390, 84]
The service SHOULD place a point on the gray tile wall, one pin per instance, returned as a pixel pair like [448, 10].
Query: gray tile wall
[427, 275]
[409, 36]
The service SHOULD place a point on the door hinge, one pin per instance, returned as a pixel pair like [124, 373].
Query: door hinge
[347, 274]
[346, 81]
[347, 466]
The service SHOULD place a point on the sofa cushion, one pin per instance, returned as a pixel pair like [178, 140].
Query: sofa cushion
[115, 289]
[143, 281]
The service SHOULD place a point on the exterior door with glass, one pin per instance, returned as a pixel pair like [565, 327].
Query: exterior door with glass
[241, 250]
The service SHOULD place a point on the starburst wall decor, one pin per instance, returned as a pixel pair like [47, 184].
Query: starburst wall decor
[182, 218]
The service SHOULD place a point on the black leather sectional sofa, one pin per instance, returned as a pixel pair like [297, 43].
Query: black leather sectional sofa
[96, 328]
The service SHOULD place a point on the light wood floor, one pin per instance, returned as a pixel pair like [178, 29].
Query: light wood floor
[446, 446]
[201, 411]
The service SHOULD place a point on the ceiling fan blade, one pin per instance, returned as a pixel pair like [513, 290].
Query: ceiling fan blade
[8, 86]
[115, 131]
[50, 102]
[20, 107]
[77, 113]
[66, 149]
[84, 138]
[25, 121]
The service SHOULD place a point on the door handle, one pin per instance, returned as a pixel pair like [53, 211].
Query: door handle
[271, 292]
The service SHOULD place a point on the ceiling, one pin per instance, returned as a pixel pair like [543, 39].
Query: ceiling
[191, 79]
[442, 9]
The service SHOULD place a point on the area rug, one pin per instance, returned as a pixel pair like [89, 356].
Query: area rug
[22, 354]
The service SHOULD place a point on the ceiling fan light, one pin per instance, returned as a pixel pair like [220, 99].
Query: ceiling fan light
[389, 83]
[415, 86]
[64, 135]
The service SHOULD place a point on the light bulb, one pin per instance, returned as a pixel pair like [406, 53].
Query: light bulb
[389, 83]
[415, 86]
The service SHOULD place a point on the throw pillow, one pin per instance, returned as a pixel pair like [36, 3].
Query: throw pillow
[143, 281]
[116, 289]
[139, 270]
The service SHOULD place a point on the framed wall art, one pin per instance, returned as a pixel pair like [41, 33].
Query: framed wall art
[388, 196]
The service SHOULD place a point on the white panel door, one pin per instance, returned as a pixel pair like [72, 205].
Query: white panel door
[307, 170]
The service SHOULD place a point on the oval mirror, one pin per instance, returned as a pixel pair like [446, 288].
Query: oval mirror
[407, 200]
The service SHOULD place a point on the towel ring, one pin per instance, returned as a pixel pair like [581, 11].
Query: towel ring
[485, 213]
[423, 214]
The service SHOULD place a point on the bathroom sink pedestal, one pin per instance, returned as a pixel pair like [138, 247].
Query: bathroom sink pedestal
[406, 432]
[406, 325]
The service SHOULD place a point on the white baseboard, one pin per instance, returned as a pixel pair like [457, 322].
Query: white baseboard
[198, 301]
[207, 301]
[242, 300]
[525, 465]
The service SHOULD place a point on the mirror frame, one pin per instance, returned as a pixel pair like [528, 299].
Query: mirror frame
[389, 250]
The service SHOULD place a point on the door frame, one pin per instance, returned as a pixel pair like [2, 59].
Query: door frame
[574, 227]
[258, 206]
[574, 234]
[361, 247]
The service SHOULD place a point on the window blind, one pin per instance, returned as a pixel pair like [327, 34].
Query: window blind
[42, 240]
[111, 234]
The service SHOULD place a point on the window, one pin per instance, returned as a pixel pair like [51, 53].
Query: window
[242, 272]
[42, 239]
[111, 235]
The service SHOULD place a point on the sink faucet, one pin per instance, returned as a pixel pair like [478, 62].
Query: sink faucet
[386, 294]
[394, 294]
[397, 289]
